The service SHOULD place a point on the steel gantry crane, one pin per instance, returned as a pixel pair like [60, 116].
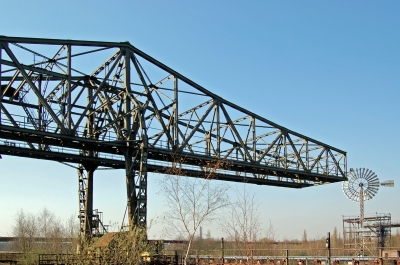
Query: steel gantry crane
[109, 105]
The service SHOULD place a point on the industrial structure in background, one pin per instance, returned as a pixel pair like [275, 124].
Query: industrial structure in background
[366, 234]
[96, 104]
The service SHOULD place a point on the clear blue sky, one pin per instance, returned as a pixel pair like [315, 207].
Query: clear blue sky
[327, 69]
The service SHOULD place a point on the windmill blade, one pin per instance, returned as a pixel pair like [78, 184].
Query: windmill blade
[361, 178]
[373, 189]
[361, 173]
[372, 177]
[369, 174]
[348, 187]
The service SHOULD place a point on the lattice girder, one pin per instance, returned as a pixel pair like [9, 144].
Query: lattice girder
[60, 97]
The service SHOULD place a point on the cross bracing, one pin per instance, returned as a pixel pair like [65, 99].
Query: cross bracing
[108, 104]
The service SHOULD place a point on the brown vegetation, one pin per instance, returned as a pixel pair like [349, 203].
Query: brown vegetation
[44, 234]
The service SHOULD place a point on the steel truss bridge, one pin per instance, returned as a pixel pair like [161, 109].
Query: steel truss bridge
[109, 105]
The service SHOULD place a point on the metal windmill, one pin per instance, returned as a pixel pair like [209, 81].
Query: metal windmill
[362, 185]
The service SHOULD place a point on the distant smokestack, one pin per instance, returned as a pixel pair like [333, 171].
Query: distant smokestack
[201, 233]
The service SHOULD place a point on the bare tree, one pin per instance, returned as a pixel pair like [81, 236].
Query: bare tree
[335, 238]
[270, 232]
[190, 202]
[40, 233]
[269, 235]
[50, 230]
[25, 230]
[243, 225]
[71, 227]
[304, 240]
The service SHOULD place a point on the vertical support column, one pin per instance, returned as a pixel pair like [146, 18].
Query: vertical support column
[129, 153]
[89, 200]
[89, 179]
[69, 63]
[285, 150]
[136, 181]
[222, 250]
[361, 198]
[307, 156]
[88, 182]
[344, 233]
[127, 101]
[253, 126]
[176, 112]
[287, 257]
[218, 130]
[135, 157]
[208, 144]
[1, 89]
[141, 184]
[328, 246]
[82, 199]
[326, 162]
[40, 110]
[130, 184]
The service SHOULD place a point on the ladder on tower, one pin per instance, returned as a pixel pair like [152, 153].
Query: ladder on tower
[97, 225]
